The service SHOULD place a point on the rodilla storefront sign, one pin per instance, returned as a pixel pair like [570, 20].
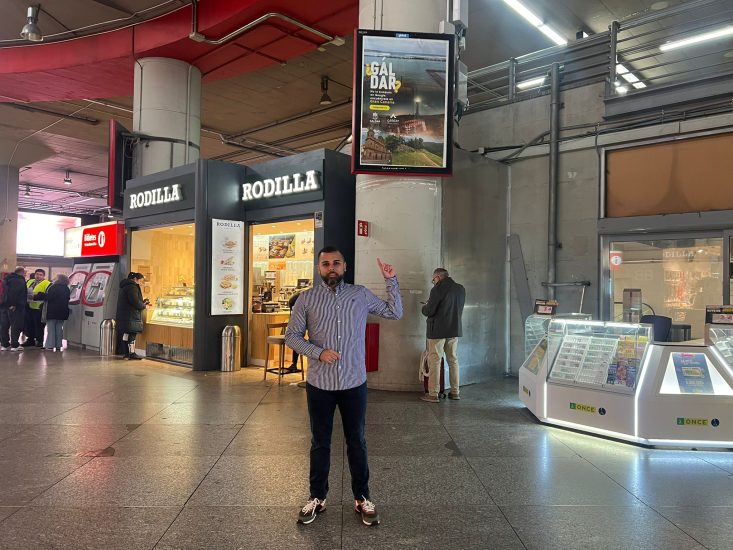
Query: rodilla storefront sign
[281, 186]
[158, 195]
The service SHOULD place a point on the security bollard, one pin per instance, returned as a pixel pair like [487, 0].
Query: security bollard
[231, 356]
[107, 337]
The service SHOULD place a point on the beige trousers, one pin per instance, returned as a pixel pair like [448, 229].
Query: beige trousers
[435, 352]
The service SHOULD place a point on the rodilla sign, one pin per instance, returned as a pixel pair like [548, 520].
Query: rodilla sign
[102, 239]
[281, 185]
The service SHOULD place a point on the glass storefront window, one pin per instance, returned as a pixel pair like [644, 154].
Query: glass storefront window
[677, 277]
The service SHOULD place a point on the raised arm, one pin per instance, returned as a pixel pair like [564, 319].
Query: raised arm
[391, 308]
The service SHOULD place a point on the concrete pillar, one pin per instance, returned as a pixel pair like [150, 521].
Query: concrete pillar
[13, 154]
[405, 218]
[8, 216]
[166, 104]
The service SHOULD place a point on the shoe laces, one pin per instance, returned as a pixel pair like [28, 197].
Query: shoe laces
[311, 505]
[367, 505]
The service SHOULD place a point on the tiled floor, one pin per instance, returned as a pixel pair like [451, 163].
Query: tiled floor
[111, 454]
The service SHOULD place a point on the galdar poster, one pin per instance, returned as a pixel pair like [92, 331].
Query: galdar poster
[405, 108]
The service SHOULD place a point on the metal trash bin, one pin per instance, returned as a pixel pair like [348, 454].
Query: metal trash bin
[107, 337]
[231, 343]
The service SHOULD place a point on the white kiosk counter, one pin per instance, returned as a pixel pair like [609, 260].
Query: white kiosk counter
[611, 379]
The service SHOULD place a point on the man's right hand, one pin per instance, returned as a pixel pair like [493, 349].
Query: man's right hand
[329, 356]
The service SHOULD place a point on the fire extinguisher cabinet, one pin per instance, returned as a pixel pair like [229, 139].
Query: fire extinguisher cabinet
[372, 347]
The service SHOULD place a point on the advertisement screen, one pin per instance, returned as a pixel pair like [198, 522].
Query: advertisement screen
[43, 234]
[403, 103]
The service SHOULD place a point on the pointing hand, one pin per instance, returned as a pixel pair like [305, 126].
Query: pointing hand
[387, 270]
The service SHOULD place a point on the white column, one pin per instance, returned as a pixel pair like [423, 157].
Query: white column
[405, 222]
[8, 217]
[166, 104]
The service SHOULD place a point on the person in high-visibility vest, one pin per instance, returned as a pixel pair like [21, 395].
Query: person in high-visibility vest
[34, 327]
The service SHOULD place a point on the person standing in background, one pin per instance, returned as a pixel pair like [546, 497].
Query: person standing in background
[12, 310]
[57, 311]
[130, 306]
[443, 311]
[34, 325]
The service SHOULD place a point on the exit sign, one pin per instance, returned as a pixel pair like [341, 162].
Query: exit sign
[362, 228]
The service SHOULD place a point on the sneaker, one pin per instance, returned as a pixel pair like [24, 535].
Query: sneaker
[311, 509]
[430, 398]
[16, 348]
[368, 511]
[134, 357]
[4, 348]
[454, 396]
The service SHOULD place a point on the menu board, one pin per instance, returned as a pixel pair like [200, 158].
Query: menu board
[227, 267]
[692, 373]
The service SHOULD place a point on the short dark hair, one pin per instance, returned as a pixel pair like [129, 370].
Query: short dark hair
[19, 270]
[329, 250]
[39, 270]
[135, 275]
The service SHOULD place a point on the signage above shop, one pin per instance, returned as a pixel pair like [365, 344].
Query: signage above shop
[281, 185]
[103, 239]
[157, 195]
[403, 103]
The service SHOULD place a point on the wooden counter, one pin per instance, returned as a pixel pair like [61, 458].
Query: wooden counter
[258, 334]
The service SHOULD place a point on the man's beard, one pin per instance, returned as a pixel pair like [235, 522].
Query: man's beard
[332, 282]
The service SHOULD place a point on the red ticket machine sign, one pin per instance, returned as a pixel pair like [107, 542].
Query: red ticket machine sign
[362, 228]
[616, 258]
[103, 240]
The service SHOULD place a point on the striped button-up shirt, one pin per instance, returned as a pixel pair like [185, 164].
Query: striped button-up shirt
[337, 320]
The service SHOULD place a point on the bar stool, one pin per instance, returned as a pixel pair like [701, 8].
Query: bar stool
[278, 340]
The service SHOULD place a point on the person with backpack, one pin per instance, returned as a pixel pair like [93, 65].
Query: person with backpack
[443, 311]
[13, 299]
[130, 306]
[57, 311]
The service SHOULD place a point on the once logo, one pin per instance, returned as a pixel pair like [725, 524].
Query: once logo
[101, 238]
[681, 421]
[583, 408]
[602, 411]
[715, 422]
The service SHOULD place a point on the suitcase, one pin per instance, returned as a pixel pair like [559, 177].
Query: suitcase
[424, 370]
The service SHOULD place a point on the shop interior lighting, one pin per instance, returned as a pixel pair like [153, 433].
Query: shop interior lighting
[692, 40]
[536, 21]
[67, 178]
[532, 83]
[325, 98]
[31, 31]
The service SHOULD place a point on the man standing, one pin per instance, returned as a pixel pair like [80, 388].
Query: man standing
[34, 327]
[334, 314]
[12, 310]
[443, 310]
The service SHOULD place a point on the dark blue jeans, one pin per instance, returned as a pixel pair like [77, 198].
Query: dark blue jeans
[352, 404]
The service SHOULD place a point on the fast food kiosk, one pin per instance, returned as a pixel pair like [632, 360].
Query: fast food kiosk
[225, 244]
[613, 379]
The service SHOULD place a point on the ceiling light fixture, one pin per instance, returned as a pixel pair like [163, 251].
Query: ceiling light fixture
[67, 179]
[629, 77]
[325, 98]
[31, 31]
[691, 41]
[536, 21]
[532, 83]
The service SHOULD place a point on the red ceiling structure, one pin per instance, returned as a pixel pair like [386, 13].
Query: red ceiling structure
[101, 66]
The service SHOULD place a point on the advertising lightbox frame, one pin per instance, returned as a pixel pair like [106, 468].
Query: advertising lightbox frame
[385, 97]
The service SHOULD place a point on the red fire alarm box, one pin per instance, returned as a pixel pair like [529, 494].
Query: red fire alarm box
[362, 228]
[372, 347]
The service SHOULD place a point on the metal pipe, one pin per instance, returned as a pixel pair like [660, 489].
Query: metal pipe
[612, 56]
[508, 279]
[512, 79]
[75, 118]
[554, 158]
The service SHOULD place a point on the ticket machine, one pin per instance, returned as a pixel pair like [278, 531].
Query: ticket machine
[72, 327]
[98, 300]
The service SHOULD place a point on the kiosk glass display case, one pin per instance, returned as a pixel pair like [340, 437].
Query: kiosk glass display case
[597, 354]
[174, 307]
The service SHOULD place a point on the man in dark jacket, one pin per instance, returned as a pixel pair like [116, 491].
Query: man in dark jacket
[130, 305]
[443, 310]
[12, 310]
